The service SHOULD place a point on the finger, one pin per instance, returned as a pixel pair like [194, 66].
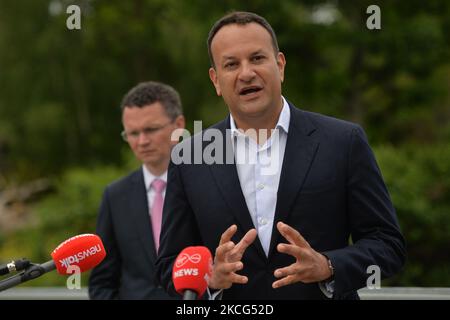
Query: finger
[228, 234]
[293, 269]
[236, 278]
[292, 235]
[246, 241]
[223, 275]
[285, 281]
[222, 251]
[293, 250]
[226, 268]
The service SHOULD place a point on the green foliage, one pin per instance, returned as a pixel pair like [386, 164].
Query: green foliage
[418, 179]
[60, 89]
[71, 210]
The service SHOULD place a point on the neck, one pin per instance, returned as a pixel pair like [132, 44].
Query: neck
[259, 128]
[157, 170]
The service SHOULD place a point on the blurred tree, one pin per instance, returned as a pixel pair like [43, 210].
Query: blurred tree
[60, 89]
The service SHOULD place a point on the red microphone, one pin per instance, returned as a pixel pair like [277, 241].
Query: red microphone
[84, 251]
[191, 271]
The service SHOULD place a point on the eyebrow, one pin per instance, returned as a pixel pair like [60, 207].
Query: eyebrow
[260, 51]
[226, 57]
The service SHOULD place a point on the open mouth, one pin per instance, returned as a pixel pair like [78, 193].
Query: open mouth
[249, 90]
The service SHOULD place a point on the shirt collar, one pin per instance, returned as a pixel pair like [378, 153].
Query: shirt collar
[283, 120]
[149, 177]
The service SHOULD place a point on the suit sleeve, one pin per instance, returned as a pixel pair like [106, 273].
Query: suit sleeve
[375, 232]
[104, 280]
[179, 227]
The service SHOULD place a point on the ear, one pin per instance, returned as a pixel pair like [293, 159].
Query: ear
[179, 131]
[281, 62]
[180, 122]
[214, 80]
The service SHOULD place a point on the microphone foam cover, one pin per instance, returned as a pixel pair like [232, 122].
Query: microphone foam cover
[191, 270]
[84, 251]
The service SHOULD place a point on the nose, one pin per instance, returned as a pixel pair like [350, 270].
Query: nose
[143, 138]
[246, 73]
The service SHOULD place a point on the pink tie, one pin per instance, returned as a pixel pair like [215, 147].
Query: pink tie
[156, 214]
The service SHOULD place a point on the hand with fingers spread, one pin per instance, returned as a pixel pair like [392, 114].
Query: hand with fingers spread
[310, 265]
[227, 260]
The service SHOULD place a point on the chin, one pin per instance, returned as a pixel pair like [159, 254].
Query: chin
[253, 110]
[148, 160]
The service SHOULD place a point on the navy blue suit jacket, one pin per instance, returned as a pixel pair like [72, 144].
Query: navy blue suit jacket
[330, 190]
[124, 225]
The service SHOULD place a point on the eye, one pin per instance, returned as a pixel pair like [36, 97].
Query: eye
[150, 130]
[133, 134]
[230, 65]
[258, 58]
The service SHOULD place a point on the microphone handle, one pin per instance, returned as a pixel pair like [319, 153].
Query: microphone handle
[48, 266]
[189, 295]
[32, 272]
[11, 282]
[4, 269]
[15, 265]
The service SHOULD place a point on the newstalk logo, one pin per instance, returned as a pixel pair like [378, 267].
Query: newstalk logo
[80, 256]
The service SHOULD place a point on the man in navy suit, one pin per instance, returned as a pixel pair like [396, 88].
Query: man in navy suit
[129, 220]
[279, 217]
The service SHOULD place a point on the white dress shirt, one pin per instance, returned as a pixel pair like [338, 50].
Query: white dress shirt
[259, 169]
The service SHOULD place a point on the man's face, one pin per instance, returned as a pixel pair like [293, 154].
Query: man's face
[148, 131]
[248, 73]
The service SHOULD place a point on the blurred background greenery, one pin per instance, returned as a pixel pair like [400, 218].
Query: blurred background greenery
[60, 91]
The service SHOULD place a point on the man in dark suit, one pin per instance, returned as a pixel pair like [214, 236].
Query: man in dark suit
[278, 218]
[129, 220]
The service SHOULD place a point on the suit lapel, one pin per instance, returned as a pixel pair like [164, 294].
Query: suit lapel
[141, 215]
[300, 150]
[227, 180]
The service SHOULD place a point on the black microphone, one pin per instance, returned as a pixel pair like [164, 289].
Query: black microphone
[15, 265]
[32, 272]
[189, 295]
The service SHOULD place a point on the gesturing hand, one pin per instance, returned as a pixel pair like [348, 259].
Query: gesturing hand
[227, 259]
[310, 265]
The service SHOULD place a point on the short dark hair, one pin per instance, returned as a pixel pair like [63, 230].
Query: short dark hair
[240, 18]
[146, 93]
